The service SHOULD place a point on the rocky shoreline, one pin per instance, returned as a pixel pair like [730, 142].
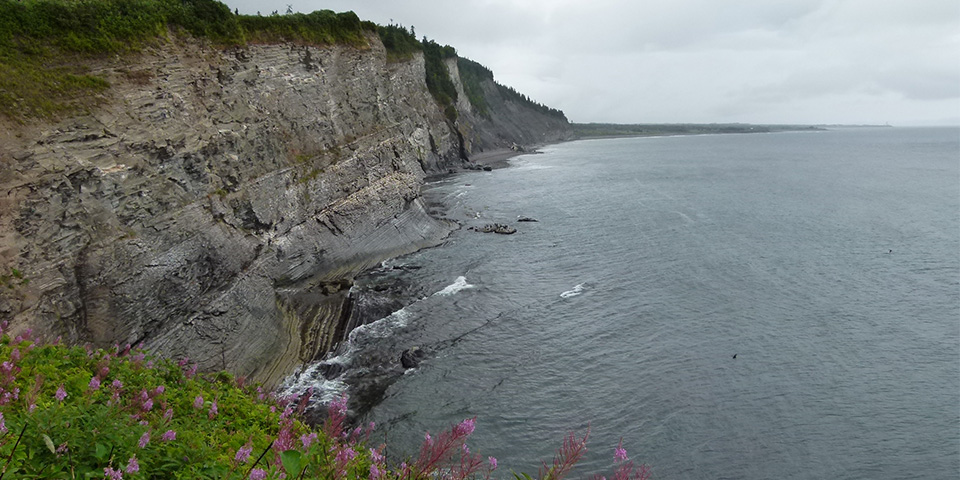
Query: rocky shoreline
[376, 296]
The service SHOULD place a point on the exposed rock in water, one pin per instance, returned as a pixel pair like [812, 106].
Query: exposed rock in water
[500, 228]
[526, 219]
[412, 357]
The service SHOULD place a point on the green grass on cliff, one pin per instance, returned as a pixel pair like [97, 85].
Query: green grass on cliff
[75, 412]
[46, 47]
[44, 44]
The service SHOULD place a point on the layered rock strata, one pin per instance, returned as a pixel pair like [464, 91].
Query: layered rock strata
[218, 204]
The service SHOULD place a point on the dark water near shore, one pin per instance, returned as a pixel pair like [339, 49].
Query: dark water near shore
[654, 261]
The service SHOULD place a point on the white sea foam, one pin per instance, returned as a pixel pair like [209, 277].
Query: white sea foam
[459, 284]
[577, 290]
[326, 390]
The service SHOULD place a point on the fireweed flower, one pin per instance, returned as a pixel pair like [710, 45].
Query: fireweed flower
[94, 383]
[308, 440]
[3, 424]
[374, 471]
[117, 384]
[132, 465]
[144, 440]
[198, 402]
[213, 409]
[243, 454]
[620, 454]
[112, 474]
[147, 405]
[493, 463]
[257, 474]
[169, 436]
[159, 389]
[465, 428]
[61, 393]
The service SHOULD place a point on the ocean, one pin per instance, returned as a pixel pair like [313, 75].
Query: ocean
[760, 306]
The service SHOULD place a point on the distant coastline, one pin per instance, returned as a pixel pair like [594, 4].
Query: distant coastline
[613, 130]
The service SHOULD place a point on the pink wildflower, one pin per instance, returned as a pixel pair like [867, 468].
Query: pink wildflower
[61, 393]
[345, 456]
[243, 454]
[168, 415]
[94, 384]
[374, 471]
[147, 405]
[159, 389]
[63, 448]
[15, 355]
[144, 440]
[376, 456]
[132, 465]
[183, 362]
[493, 463]
[3, 424]
[117, 384]
[620, 454]
[169, 436]
[198, 402]
[112, 474]
[308, 440]
[465, 428]
[213, 410]
[257, 474]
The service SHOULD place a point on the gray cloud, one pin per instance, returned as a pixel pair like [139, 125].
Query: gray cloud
[830, 61]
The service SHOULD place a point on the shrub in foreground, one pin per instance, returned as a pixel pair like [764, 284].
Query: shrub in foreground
[74, 412]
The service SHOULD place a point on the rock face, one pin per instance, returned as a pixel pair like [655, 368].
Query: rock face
[219, 203]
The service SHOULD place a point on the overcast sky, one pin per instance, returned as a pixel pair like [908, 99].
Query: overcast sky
[755, 61]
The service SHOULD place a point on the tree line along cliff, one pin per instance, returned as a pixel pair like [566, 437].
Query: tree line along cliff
[208, 184]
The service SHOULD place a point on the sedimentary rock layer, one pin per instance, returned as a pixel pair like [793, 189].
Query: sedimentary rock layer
[219, 202]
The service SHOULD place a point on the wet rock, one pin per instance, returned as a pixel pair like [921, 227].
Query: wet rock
[500, 228]
[526, 219]
[411, 357]
[332, 370]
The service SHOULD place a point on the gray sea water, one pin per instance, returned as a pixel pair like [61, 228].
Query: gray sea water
[827, 262]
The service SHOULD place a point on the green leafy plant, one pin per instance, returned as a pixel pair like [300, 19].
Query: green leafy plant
[75, 412]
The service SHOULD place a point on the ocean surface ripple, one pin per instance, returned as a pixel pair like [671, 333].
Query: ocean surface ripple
[826, 262]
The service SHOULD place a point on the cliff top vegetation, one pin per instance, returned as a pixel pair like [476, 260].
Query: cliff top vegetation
[46, 46]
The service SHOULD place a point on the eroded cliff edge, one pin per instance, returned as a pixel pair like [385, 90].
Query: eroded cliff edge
[219, 203]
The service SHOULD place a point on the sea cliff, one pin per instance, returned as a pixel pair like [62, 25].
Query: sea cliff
[218, 202]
